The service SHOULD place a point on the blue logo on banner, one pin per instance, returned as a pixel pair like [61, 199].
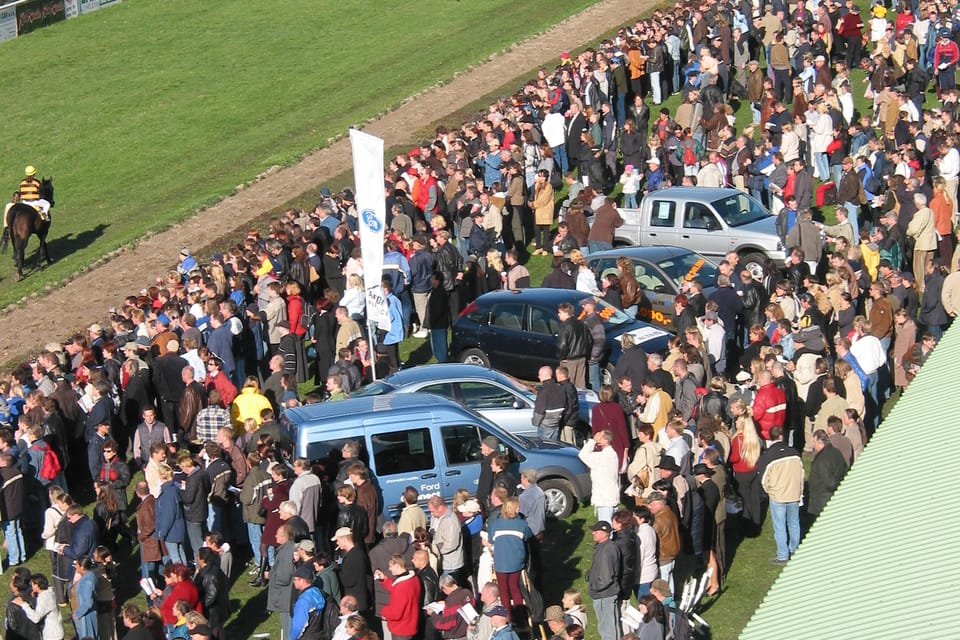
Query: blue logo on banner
[370, 219]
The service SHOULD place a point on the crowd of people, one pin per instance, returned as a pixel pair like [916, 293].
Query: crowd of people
[689, 451]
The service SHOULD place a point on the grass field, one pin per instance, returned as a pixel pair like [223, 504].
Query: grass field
[148, 111]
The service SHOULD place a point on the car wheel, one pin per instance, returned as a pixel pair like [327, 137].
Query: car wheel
[475, 356]
[753, 262]
[560, 498]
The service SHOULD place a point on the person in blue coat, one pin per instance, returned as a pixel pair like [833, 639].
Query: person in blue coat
[85, 609]
[170, 526]
[310, 599]
[509, 534]
[83, 535]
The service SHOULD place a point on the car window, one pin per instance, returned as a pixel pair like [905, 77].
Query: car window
[461, 442]
[689, 266]
[508, 315]
[375, 388]
[699, 216]
[328, 452]
[402, 451]
[544, 321]
[739, 208]
[650, 280]
[444, 389]
[603, 267]
[663, 213]
[482, 395]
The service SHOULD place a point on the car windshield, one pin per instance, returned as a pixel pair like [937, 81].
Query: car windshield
[739, 209]
[375, 388]
[689, 266]
[612, 317]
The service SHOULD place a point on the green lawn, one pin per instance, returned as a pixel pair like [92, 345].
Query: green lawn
[148, 111]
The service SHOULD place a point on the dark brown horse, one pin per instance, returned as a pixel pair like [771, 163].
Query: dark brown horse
[24, 221]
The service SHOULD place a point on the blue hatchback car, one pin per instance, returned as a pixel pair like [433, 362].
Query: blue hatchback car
[516, 331]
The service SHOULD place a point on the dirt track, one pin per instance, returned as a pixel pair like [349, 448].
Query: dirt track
[86, 299]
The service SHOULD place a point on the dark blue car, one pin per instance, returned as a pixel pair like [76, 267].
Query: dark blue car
[516, 331]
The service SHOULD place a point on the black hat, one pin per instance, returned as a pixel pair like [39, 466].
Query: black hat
[668, 463]
[602, 525]
[701, 469]
[305, 572]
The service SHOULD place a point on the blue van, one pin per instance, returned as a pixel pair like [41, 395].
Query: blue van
[432, 444]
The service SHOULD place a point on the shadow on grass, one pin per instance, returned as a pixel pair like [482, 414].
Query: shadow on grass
[561, 560]
[63, 246]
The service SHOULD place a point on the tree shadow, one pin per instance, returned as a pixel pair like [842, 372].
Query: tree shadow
[245, 619]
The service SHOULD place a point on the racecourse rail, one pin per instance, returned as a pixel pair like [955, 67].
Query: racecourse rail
[25, 16]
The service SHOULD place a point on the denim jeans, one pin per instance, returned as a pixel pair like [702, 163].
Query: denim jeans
[560, 156]
[629, 201]
[593, 373]
[786, 527]
[597, 245]
[215, 518]
[655, 87]
[175, 552]
[13, 535]
[608, 617]
[195, 537]
[548, 433]
[822, 166]
[438, 343]
[254, 533]
[605, 514]
[853, 213]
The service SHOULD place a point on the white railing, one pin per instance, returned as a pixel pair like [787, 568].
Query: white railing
[24, 16]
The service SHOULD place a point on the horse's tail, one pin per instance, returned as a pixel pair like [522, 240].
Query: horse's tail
[5, 240]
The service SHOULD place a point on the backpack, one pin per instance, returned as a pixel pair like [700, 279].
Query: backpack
[556, 180]
[322, 623]
[309, 313]
[678, 624]
[50, 467]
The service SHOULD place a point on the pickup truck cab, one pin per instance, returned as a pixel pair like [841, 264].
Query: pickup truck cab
[710, 221]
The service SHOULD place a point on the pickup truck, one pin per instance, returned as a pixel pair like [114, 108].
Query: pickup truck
[709, 221]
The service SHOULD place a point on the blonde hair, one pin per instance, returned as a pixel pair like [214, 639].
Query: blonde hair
[510, 508]
[750, 447]
[576, 257]
[493, 260]
[166, 473]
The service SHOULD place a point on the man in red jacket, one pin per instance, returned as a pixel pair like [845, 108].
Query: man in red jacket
[769, 405]
[401, 615]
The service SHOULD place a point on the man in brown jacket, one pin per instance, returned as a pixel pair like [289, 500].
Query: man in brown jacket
[605, 220]
[150, 553]
[668, 534]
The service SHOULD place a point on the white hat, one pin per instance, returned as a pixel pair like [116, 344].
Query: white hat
[654, 160]
[342, 532]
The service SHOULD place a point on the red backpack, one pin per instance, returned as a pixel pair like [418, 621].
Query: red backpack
[50, 467]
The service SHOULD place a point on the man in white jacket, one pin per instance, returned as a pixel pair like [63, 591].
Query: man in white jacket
[599, 456]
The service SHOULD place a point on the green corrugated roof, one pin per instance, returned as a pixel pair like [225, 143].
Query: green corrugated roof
[886, 540]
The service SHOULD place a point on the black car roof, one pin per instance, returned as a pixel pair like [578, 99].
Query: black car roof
[541, 295]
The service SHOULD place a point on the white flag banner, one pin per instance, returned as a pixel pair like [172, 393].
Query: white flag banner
[372, 207]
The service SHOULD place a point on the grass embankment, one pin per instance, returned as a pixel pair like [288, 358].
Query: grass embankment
[149, 111]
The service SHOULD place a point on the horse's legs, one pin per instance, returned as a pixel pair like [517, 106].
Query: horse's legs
[19, 247]
[46, 250]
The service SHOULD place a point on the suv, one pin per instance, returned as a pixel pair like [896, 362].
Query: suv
[516, 331]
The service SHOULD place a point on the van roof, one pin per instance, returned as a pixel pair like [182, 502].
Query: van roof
[352, 406]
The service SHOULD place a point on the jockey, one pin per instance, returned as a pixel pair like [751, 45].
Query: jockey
[30, 192]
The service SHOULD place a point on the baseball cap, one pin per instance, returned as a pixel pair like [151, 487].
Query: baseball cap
[602, 525]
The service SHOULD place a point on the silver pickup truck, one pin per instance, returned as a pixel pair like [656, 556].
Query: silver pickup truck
[707, 220]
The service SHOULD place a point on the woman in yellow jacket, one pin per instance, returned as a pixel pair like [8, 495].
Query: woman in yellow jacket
[542, 205]
[248, 404]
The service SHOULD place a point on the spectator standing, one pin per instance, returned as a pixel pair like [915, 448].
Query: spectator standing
[401, 613]
[575, 344]
[781, 476]
[599, 456]
[603, 578]
[280, 577]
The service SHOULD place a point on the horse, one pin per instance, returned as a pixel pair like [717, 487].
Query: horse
[24, 221]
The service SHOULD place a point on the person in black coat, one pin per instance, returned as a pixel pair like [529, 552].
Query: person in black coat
[625, 537]
[489, 447]
[351, 515]
[169, 385]
[438, 317]
[355, 574]
[214, 590]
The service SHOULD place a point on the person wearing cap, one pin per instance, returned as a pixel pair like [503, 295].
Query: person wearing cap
[354, 568]
[630, 184]
[186, 263]
[667, 527]
[500, 627]
[945, 58]
[603, 579]
[556, 621]
[214, 590]
[310, 598]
